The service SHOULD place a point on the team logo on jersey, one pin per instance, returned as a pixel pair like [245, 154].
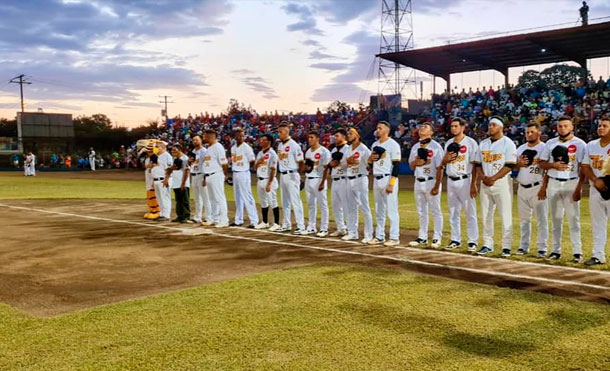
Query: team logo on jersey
[287, 149]
[317, 156]
[571, 149]
[430, 153]
[357, 155]
[267, 156]
[463, 149]
[608, 152]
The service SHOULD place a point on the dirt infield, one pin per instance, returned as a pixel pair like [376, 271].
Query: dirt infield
[60, 256]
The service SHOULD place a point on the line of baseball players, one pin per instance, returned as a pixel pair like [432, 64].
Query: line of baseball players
[559, 167]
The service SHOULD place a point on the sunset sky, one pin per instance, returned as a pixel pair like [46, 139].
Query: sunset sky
[117, 57]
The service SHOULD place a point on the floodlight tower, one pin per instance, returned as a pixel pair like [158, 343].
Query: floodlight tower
[396, 36]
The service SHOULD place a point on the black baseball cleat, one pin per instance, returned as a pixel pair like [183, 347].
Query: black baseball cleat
[235, 225]
[541, 254]
[472, 247]
[521, 252]
[418, 242]
[453, 245]
[251, 226]
[176, 220]
[577, 259]
[593, 261]
[554, 256]
[484, 251]
[505, 253]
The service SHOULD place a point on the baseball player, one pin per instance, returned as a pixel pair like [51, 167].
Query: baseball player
[291, 164]
[266, 168]
[242, 159]
[337, 168]
[358, 188]
[426, 160]
[595, 167]
[92, 159]
[561, 158]
[215, 165]
[317, 158]
[180, 179]
[29, 166]
[497, 157]
[385, 158]
[201, 197]
[461, 153]
[531, 194]
[162, 182]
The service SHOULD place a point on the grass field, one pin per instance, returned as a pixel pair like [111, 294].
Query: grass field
[322, 316]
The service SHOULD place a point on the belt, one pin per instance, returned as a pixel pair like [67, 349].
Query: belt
[355, 176]
[259, 178]
[381, 176]
[210, 174]
[562, 180]
[240, 171]
[456, 178]
[287, 172]
[531, 185]
[314, 177]
[339, 178]
[158, 179]
[195, 174]
[421, 180]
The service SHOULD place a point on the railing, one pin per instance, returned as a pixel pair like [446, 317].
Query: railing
[9, 144]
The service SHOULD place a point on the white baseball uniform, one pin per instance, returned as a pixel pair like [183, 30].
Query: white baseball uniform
[242, 183]
[425, 178]
[200, 193]
[320, 158]
[267, 199]
[214, 175]
[358, 191]
[530, 180]
[290, 154]
[386, 204]
[459, 178]
[339, 194]
[560, 189]
[598, 207]
[164, 196]
[493, 156]
[92, 160]
[29, 165]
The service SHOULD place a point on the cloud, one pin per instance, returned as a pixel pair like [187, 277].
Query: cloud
[261, 85]
[319, 54]
[330, 66]
[243, 71]
[304, 14]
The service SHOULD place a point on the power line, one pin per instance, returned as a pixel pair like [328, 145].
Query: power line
[21, 80]
[165, 102]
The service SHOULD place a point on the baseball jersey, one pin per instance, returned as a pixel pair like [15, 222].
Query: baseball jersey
[462, 165]
[157, 171]
[383, 166]
[165, 160]
[320, 158]
[595, 155]
[361, 156]
[30, 160]
[269, 162]
[91, 153]
[341, 169]
[435, 159]
[289, 154]
[148, 178]
[241, 157]
[196, 167]
[177, 174]
[576, 152]
[532, 173]
[494, 155]
[214, 159]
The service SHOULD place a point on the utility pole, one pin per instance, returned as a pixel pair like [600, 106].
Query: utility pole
[21, 80]
[165, 102]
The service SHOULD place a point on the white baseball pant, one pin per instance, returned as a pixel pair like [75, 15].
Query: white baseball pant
[290, 184]
[358, 198]
[497, 196]
[339, 202]
[267, 199]
[529, 203]
[316, 198]
[92, 163]
[458, 196]
[215, 184]
[425, 202]
[30, 170]
[201, 198]
[386, 205]
[600, 210]
[560, 199]
[164, 197]
[242, 188]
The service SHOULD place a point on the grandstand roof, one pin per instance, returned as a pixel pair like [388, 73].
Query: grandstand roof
[568, 44]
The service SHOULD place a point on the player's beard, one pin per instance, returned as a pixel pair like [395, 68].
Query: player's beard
[563, 137]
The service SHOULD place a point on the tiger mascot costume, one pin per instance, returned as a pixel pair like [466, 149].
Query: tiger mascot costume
[149, 148]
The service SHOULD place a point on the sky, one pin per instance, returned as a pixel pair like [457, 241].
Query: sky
[118, 57]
